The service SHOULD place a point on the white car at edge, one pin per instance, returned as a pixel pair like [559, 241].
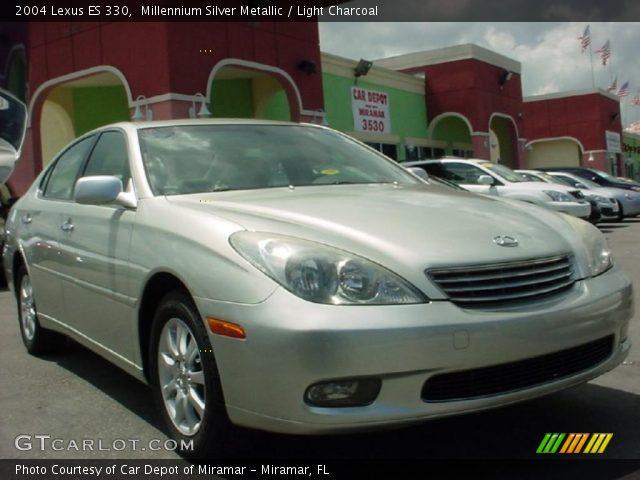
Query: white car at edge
[489, 178]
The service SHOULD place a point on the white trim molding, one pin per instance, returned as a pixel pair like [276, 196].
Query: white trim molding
[76, 75]
[554, 139]
[435, 120]
[237, 62]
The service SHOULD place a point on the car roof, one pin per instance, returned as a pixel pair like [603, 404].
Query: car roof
[133, 125]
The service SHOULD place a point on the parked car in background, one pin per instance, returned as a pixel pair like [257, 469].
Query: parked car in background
[7, 199]
[13, 125]
[597, 176]
[483, 176]
[287, 277]
[628, 200]
[603, 207]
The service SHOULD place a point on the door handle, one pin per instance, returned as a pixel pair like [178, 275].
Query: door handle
[67, 226]
[26, 218]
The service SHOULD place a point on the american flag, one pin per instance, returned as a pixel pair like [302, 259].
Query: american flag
[613, 85]
[605, 52]
[624, 90]
[585, 39]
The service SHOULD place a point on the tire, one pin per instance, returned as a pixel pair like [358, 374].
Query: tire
[37, 340]
[620, 216]
[191, 403]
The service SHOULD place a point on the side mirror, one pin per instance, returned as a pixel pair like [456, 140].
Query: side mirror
[102, 190]
[419, 172]
[485, 180]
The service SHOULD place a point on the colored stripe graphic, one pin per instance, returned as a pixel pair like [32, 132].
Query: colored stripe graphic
[574, 443]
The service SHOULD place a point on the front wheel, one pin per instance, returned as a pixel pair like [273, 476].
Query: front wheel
[185, 381]
[36, 339]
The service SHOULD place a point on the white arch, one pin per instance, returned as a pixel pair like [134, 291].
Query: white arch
[509, 117]
[75, 75]
[437, 118]
[551, 139]
[227, 62]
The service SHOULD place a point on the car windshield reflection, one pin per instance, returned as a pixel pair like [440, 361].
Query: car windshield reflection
[214, 158]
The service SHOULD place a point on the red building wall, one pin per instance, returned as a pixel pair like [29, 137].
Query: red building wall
[471, 87]
[158, 58]
[583, 117]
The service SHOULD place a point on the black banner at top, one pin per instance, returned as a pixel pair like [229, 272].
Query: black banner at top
[322, 10]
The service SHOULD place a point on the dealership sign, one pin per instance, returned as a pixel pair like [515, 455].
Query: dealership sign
[614, 144]
[370, 111]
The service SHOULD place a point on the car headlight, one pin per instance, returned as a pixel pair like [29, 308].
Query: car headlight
[600, 199]
[322, 274]
[597, 248]
[559, 196]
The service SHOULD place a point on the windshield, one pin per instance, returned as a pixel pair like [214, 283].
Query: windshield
[207, 158]
[572, 181]
[13, 117]
[505, 172]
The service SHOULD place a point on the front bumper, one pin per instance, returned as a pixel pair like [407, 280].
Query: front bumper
[630, 207]
[576, 209]
[291, 344]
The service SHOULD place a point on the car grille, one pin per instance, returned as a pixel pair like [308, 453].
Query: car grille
[607, 211]
[509, 377]
[504, 283]
[577, 194]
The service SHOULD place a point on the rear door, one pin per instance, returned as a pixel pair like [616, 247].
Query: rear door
[40, 220]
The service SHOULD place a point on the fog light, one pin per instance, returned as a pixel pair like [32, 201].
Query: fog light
[343, 393]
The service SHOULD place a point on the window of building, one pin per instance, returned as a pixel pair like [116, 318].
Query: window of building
[388, 149]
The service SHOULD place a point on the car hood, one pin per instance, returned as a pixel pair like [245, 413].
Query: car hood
[406, 228]
[541, 186]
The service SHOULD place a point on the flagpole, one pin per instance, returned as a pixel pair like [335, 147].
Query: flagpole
[593, 78]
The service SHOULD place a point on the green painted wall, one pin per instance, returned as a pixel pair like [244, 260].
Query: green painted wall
[407, 109]
[631, 144]
[232, 98]
[97, 106]
[452, 129]
[277, 107]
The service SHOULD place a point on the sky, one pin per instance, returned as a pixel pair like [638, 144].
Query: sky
[550, 52]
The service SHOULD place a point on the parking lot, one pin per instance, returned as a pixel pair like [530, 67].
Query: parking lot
[78, 395]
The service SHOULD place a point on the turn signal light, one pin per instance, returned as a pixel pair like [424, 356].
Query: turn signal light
[227, 329]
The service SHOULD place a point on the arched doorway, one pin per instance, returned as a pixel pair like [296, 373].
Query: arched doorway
[452, 132]
[503, 140]
[241, 89]
[74, 107]
[556, 152]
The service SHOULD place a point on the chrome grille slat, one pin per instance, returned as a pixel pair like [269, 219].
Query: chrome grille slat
[498, 276]
[479, 285]
[507, 284]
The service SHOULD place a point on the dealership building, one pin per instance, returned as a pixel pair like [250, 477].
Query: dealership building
[462, 100]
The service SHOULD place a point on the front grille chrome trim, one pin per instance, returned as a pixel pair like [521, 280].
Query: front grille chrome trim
[479, 285]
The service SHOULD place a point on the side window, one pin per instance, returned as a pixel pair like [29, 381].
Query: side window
[63, 176]
[109, 157]
[462, 173]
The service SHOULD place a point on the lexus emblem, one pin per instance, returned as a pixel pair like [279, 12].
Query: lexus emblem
[505, 241]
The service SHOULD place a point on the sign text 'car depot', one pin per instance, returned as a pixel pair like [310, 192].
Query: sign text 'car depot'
[370, 111]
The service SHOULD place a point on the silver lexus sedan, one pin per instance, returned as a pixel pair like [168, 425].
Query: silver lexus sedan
[286, 277]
